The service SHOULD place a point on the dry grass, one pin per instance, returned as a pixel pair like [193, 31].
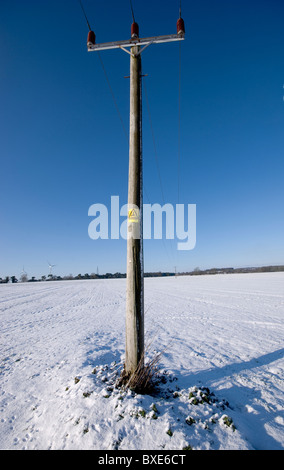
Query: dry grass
[145, 378]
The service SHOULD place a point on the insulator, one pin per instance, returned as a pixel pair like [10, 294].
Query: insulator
[134, 30]
[180, 26]
[91, 40]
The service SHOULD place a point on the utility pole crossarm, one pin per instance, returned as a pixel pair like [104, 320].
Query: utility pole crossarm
[135, 42]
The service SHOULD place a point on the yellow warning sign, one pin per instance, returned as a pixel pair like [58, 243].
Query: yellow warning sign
[133, 215]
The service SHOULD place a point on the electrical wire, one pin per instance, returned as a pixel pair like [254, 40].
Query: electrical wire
[132, 11]
[148, 107]
[106, 76]
[179, 121]
[158, 169]
[81, 4]
[112, 95]
[154, 141]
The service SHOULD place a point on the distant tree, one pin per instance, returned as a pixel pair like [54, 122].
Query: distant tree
[93, 276]
[14, 279]
[197, 270]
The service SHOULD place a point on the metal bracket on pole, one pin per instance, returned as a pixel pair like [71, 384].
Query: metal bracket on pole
[143, 48]
[125, 50]
[138, 53]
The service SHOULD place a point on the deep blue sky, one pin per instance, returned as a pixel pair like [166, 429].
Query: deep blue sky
[63, 147]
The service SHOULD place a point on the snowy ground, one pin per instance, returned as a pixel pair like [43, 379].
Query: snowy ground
[62, 348]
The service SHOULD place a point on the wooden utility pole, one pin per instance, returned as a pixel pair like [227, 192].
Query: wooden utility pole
[134, 353]
[135, 271]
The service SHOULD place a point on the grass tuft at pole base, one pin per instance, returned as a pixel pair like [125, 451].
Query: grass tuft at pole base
[144, 379]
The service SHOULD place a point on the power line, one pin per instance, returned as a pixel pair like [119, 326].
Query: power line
[110, 87]
[113, 97]
[132, 11]
[106, 75]
[154, 142]
[147, 101]
[81, 4]
[157, 165]
[179, 119]
[179, 126]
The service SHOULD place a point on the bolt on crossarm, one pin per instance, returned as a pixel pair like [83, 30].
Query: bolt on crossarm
[134, 354]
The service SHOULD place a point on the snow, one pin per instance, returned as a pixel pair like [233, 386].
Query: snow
[62, 349]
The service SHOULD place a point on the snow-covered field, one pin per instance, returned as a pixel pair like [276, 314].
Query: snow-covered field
[62, 348]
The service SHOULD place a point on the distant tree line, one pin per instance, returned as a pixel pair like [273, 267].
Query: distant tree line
[70, 277]
[195, 272]
[262, 269]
